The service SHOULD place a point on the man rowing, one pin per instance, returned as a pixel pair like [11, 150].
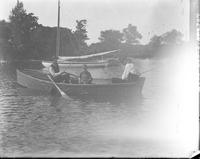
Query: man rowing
[57, 75]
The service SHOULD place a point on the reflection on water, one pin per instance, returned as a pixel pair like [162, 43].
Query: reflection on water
[35, 123]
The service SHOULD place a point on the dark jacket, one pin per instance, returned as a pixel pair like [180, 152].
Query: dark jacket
[55, 67]
[85, 77]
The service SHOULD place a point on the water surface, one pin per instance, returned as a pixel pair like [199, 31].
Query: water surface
[34, 123]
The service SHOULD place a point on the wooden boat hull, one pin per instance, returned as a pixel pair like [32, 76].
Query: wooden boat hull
[39, 81]
[99, 70]
[75, 64]
[90, 64]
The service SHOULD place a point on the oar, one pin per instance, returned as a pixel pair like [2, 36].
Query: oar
[63, 94]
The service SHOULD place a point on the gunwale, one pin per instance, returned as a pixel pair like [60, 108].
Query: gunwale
[99, 90]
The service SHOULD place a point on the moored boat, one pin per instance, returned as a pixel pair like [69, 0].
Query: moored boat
[103, 69]
[75, 63]
[79, 64]
[38, 80]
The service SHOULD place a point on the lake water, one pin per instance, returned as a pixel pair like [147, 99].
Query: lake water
[163, 123]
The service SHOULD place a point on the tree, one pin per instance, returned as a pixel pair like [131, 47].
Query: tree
[172, 37]
[5, 32]
[131, 35]
[22, 25]
[112, 38]
[80, 34]
[155, 41]
[159, 44]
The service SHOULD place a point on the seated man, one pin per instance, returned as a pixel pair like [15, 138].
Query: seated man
[130, 73]
[85, 76]
[57, 75]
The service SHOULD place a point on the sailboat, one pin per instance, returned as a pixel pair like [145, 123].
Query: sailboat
[72, 63]
[106, 89]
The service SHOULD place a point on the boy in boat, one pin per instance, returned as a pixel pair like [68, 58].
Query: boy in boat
[85, 76]
[56, 74]
[130, 73]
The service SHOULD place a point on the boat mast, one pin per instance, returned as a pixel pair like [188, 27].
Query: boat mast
[58, 32]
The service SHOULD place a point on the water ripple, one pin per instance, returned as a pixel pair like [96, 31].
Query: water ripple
[36, 124]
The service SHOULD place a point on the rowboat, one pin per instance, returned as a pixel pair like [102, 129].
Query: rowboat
[34, 79]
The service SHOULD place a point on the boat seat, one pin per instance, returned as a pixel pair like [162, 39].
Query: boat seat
[118, 80]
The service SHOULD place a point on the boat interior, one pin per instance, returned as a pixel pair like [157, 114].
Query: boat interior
[42, 75]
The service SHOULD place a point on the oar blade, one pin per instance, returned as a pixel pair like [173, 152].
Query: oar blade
[66, 97]
[63, 94]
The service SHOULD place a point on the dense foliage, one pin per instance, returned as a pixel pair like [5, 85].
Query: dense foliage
[131, 35]
[22, 24]
[23, 38]
[111, 38]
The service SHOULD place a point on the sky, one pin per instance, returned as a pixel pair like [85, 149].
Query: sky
[150, 16]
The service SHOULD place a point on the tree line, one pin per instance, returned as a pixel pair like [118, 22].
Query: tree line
[22, 38]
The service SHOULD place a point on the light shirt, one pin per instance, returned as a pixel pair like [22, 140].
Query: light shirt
[51, 71]
[129, 68]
